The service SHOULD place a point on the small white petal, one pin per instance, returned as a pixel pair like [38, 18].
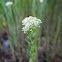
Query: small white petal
[39, 26]
[31, 30]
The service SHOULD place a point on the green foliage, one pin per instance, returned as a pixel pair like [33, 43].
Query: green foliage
[1, 9]
[32, 52]
[48, 12]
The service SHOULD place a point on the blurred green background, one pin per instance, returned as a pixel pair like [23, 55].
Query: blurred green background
[49, 35]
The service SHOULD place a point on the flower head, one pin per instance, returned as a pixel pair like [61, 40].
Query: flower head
[41, 1]
[9, 3]
[30, 23]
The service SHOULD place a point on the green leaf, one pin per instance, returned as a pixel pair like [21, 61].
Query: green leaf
[29, 52]
[29, 43]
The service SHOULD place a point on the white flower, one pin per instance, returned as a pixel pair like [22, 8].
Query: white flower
[9, 3]
[41, 1]
[30, 23]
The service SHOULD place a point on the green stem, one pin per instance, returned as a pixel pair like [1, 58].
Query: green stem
[33, 49]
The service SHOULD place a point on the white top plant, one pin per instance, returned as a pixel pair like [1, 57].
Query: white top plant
[9, 3]
[41, 1]
[30, 23]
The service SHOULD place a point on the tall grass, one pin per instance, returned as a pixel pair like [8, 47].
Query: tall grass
[47, 11]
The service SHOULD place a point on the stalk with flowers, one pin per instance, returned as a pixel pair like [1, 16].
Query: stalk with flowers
[30, 25]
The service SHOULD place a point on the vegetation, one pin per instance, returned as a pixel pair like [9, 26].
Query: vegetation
[47, 38]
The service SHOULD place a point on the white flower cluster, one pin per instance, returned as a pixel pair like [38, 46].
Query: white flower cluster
[30, 23]
[9, 3]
